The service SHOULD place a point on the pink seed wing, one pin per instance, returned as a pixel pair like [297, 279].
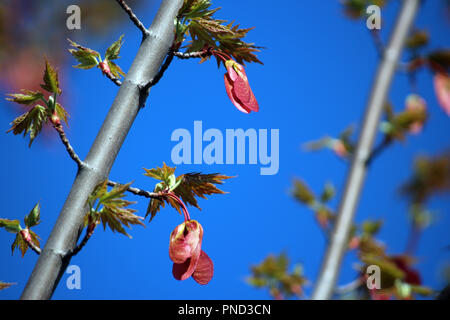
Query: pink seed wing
[442, 89]
[232, 73]
[182, 271]
[205, 269]
[242, 90]
[229, 89]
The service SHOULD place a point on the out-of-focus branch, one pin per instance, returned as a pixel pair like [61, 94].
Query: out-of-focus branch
[331, 265]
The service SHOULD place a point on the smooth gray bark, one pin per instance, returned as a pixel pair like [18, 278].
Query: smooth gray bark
[53, 260]
[339, 239]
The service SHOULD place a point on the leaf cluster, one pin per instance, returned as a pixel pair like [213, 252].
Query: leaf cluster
[188, 187]
[273, 273]
[88, 58]
[14, 226]
[111, 209]
[33, 120]
[196, 20]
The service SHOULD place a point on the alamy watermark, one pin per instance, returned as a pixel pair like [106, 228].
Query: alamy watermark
[374, 17]
[74, 19]
[74, 280]
[228, 148]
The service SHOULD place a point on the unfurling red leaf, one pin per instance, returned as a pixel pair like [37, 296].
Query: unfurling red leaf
[26, 97]
[12, 226]
[33, 218]
[113, 51]
[30, 122]
[51, 83]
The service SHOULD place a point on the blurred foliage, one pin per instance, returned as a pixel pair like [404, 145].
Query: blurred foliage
[356, 9]
[28, 32]
[431, 175]
[273, 274]
[5, 285]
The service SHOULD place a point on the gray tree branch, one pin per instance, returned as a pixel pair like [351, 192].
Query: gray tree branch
[130, 98]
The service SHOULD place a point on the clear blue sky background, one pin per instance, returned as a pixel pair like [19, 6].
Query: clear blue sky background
[318, 69]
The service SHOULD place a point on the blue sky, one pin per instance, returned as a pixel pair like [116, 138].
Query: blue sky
[318, 69]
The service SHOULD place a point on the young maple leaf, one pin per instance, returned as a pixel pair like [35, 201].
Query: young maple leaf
[187, 186]
[32, 121]
[27, 97]
[51, 83]
[198, 185]
[196, 19]
[25, 237]
[86, 57]
[114, 212]
[89, 58]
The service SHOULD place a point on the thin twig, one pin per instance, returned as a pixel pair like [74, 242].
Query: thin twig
[116, 81]
[25, 234]
[160, 74]
[34, 247]
[138, 192]
[133, 17]
[58, 127]
[87, 236]
[190, 55]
